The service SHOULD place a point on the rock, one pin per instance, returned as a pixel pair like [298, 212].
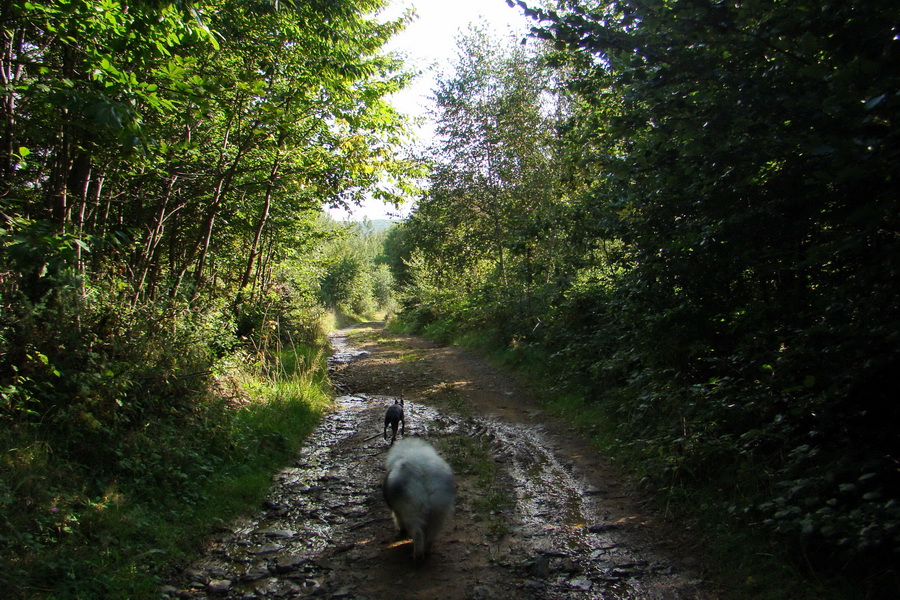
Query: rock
[196, 576]
[168, 590]
[624, 572]
[218, 586]
[288, 590]
[584, 585]
[482, 592]
[324, 563]
[602, 528]
[343, 592]
[353, 512]
[567, 566]
[539, 567]
[256, 573]
[288, 563]
[266, 586]
[276, 533]
[217, 573]
[313, 587]
[266, 549]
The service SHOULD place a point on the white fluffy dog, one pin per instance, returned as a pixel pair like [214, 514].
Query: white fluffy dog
[420, 490]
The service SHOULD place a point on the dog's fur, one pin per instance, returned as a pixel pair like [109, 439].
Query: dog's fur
[393, 418]
[420, 490]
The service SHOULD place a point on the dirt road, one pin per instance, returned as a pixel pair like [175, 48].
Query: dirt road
[539, 515]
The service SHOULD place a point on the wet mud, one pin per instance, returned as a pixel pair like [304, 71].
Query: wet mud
[563, 528]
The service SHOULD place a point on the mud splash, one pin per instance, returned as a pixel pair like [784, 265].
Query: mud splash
[325, 531]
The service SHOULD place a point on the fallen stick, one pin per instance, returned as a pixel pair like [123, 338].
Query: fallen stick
[369, 522]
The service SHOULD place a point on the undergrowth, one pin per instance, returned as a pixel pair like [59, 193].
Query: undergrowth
[744, 561]
[125, 445]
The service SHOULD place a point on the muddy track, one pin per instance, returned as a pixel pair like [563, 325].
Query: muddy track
[552, 522]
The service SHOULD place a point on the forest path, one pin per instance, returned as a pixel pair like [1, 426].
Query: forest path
[551, 522]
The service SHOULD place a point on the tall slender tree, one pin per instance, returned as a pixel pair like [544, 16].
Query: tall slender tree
[490, 212]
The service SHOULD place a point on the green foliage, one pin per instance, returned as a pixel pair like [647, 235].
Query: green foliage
[395, 251]
[469, 256]
[352, 279]
[346, 285]
[713, 261]
[127, 438]
[181, 150]
[382, 285]
[162, 177]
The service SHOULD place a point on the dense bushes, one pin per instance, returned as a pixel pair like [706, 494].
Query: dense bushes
[117, 435]
[353, 278]
[128, 429]
[716, 254]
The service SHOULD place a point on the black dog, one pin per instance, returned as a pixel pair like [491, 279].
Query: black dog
[394, 417]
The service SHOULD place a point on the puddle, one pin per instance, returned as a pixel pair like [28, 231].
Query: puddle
[342, 352]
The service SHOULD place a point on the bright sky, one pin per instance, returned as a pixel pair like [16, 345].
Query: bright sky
[429, 45]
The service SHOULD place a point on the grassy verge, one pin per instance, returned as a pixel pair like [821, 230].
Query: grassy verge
[338, 319]
[71, 532]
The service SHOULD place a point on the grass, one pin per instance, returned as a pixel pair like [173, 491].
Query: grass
[447, 397]
[338, 319]
[458, 404]
[413, 356]
[69, 532]
[471, 458]
[373, 336]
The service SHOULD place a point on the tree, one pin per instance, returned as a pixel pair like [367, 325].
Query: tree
[163, 168]
[138, 125]
[492, 194]
[748, 174]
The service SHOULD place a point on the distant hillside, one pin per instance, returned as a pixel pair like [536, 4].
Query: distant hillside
[377, 225]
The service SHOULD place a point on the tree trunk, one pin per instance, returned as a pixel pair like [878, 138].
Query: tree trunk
[154, 237]
[10, 73]
[254, 245]
[205, 238]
